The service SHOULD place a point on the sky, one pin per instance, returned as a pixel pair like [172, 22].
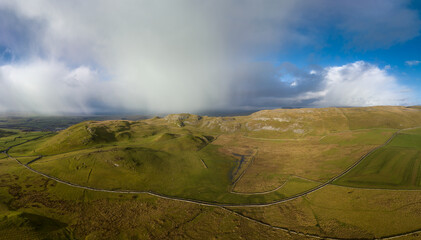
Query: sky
[169, 56]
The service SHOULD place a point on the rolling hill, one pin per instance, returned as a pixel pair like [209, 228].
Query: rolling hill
[293, 171]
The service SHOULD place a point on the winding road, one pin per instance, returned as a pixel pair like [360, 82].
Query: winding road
[204, 203]
[225, 206]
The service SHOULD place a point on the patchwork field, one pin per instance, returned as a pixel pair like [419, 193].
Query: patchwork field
[270, 175]
[316, 159]
[395, 166]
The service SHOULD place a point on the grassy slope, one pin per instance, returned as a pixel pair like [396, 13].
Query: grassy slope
[341, 212]
[165, 155]
[312, 158]
[32, 207]
[397, 165]
[18, 138]
[59, 211]
[167, 163]
[6, 133]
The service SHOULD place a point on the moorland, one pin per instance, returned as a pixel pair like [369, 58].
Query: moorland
[338, 173]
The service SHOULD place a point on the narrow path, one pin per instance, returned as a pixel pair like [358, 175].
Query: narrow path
[224, 206]
[278, 139]
[394, 236]
[257, 193]
[401, 235]
[206, 203]
[276, 189]
[307, 179]
[315, 138]
[372, 188]
[287, 230]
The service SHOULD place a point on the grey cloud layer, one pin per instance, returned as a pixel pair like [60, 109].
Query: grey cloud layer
[173, 56]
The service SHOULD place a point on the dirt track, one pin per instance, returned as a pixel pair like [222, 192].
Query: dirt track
[198, 201]
[224, 206]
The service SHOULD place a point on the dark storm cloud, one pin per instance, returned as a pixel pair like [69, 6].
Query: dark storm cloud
[173, 56]
[266, 85]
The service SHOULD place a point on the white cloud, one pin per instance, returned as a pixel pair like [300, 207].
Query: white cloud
[48, 88]
[359, 84]
[412, 63]
[174, 56]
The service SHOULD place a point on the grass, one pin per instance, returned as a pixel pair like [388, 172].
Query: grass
[6, 133]
[27, 160]
[18, 138]
[172, 165]
[359, 137]
[154, 171]
[32, 207]
[165, 156]
[341, 212]
[296, 185]
[382, 117]
[319, 159]
[396, 166]
[298, 149]
[168, 163]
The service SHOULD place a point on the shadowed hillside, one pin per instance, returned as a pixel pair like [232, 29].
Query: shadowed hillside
[282, 160]
[181, 153]
[278, 123]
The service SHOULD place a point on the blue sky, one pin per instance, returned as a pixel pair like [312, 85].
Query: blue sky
[398, 57]
[86, 57]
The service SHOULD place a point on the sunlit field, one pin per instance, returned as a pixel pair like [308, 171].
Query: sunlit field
[230, 171]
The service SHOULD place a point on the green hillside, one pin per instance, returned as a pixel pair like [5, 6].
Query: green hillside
[396, 166]
[94, 180]
[216, 159]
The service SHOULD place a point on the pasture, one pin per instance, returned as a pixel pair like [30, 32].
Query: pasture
[260, 159]
[395, 166]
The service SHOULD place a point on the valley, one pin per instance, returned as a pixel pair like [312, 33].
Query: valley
[337, 173]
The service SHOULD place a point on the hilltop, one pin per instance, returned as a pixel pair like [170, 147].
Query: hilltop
[178, 154]
[313, 171]
[277, 123]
